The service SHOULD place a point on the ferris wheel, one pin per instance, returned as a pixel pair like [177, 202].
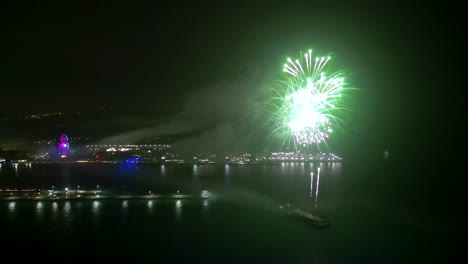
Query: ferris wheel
[63, 146]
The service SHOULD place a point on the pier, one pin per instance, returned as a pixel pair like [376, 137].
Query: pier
[72, 195]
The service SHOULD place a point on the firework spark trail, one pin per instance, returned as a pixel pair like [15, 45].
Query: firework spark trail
[317, 190]
[311, 183]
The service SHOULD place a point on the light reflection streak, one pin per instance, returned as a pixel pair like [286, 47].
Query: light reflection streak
[195, 170]
[335, 169]
[178, 208]
[227, 174]
[12, 206]
[54, 207]
[317, 189]
[96, 205]
[67, 208]
[95, 208]
[302, 169]
[39, 207]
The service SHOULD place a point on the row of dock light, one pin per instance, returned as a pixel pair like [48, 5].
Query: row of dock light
[53, 192]
[20, 190]
[95, 205]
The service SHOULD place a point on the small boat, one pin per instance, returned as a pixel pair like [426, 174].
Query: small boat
[301, 214]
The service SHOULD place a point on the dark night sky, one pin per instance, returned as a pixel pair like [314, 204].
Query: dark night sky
[146, 60]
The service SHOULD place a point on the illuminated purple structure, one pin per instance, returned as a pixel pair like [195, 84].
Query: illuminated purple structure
[63, 146]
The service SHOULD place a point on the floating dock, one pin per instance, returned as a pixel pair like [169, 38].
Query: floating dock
[307, 216]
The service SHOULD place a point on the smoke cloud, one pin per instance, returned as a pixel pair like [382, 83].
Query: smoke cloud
[212, 118]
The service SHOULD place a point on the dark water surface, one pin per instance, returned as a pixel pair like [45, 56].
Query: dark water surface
[378, 214]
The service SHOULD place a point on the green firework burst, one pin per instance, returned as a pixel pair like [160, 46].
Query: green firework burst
[305, 105]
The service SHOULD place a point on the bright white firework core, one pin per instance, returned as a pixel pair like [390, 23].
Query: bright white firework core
[312, 99]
